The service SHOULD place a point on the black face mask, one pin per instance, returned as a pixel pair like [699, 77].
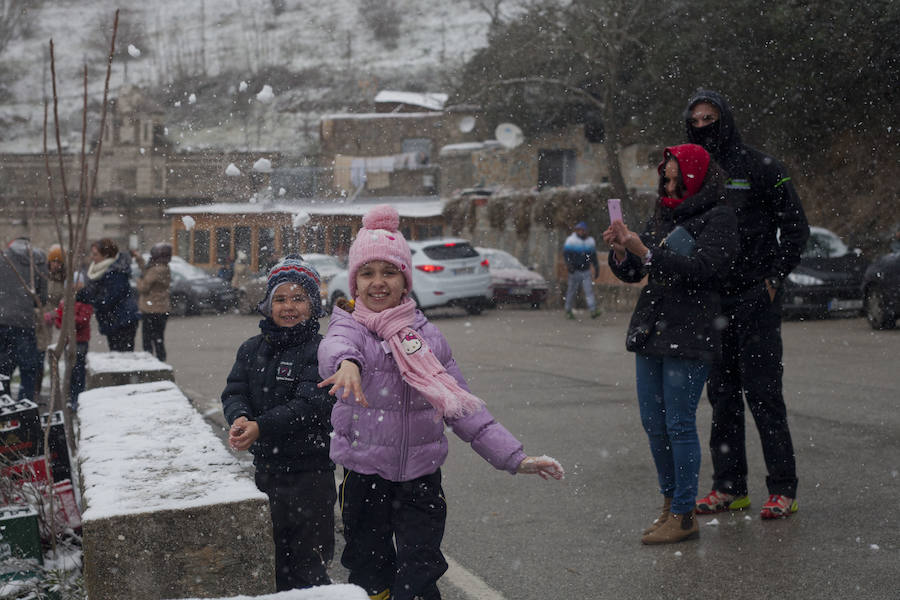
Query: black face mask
[707, 136]
[582, 235]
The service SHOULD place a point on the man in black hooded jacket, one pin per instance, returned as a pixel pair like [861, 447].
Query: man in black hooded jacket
[773, 232]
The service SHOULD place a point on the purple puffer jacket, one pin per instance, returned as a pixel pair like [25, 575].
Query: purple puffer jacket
[397, 436]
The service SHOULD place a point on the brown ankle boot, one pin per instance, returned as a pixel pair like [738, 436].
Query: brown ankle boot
[677, 528]
[662, 518]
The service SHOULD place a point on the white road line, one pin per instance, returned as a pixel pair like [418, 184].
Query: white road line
[469, 583]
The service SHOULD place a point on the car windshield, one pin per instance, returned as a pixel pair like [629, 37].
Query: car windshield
[449, 251]
[824, 244]
[502, 260]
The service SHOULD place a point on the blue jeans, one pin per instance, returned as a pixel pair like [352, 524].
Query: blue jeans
[668, 391]
[582, 278]
[18, 348]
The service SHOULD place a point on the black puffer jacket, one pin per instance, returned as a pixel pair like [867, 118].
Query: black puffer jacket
[275, 385]
[679, 311]
[763, 197]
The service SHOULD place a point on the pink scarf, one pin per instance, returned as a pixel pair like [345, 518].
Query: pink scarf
[417, 363]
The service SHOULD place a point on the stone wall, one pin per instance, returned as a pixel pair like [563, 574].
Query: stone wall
[168, 511]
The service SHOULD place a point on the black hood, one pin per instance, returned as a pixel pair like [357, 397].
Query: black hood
[727, 138]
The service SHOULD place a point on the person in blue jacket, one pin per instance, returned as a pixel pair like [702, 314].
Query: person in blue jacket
[580, 253]
[109, 291]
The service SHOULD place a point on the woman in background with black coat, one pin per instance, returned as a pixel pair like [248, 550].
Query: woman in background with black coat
[109, 291]
[674, 330]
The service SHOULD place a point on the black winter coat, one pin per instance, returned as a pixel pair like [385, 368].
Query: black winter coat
[771, 222]
[277, 389]
[679, 310]
[113, 298]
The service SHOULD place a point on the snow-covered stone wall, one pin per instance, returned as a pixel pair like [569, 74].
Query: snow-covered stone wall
[168, 511]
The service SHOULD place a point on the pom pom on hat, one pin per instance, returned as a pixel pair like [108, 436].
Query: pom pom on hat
[380, 239]
[383, 216]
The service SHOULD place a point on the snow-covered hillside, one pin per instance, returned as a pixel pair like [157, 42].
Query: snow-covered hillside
[317, 56]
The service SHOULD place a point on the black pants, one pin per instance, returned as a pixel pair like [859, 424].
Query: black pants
[76, 384]
[750, 368]
[302, 506]
[393, 532]
[153, 333]
[122, 339]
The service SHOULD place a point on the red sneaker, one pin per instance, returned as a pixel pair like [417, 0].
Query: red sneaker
[778, 506]
[716, 502]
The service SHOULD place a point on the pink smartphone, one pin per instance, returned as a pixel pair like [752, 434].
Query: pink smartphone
[615, 209]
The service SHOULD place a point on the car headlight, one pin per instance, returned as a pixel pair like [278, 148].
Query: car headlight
[803, 279]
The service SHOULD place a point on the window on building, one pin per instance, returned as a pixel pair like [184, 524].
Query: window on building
[223, 245]
[315, 239]
[183, 243]
[242, 243]
[289, 240]
[126, 178]
[422, 146]
[340, 241]
[556, 168]
[266, 247]
[201, 246]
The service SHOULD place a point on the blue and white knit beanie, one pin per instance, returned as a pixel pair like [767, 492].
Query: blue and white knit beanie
[293, 269]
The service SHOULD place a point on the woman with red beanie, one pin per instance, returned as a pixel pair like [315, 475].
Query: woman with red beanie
[674, 330]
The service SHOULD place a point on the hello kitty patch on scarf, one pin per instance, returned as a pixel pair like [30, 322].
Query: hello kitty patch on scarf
[411, 343]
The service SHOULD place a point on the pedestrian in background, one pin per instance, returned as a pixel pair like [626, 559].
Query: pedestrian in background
[673, 331]
[772, 231]
[23, 293]
[83, 314]
[398, 388]
[109, 291]
[56, 269]
[277, 412]
[154, 302]
[580, 254]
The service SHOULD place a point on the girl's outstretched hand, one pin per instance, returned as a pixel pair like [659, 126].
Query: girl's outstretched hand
[347, 378]
[544, 466]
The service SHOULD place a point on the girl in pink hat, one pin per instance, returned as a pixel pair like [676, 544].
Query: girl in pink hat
[396, 385]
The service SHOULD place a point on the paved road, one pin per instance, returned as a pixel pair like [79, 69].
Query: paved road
[566, 389]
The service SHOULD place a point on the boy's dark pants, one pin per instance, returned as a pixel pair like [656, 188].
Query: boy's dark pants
[750, 368]
[302, 506]
[153, 332]
[376, 514]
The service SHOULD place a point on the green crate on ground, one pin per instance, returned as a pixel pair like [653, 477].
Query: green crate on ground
[20, 539]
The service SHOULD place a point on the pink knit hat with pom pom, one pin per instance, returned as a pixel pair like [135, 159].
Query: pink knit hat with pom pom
[380, 239]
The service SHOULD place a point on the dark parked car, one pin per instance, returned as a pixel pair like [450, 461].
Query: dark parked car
[828, 279]
[193, 290]
[513, 282]
[881, 291]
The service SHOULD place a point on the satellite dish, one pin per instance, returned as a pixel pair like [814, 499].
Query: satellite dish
[509, 135]
[467, 124]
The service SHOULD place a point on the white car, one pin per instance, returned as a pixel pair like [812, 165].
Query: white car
[446, 272]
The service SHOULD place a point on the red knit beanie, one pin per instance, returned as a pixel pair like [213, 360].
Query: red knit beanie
[693, 161]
